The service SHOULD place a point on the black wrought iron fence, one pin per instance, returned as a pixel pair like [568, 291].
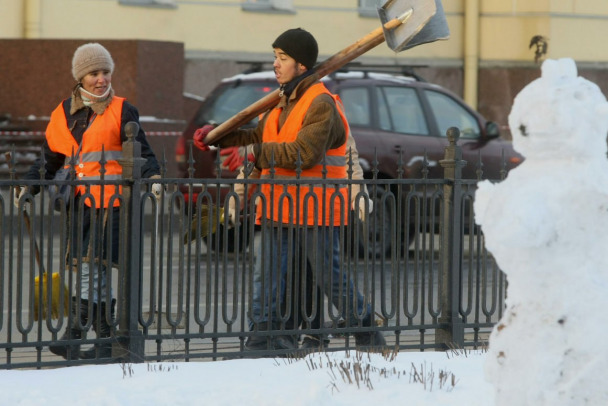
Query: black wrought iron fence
[184, 289]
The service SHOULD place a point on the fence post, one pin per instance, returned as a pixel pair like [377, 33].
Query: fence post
[451, 334]
[130, 343]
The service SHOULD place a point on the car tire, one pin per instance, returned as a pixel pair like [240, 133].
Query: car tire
[375, 237]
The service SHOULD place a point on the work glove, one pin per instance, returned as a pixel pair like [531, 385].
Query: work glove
[231, 211]
[199, 137]
[19, 192]
[231, 217]
[235, 157]
[362, 214]
[157, 188]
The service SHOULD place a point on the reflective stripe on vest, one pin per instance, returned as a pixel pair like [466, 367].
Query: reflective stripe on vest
[103, 133]
[317, 202]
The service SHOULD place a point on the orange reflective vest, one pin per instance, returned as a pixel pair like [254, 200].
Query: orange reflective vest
[104, 132]
[307, 203]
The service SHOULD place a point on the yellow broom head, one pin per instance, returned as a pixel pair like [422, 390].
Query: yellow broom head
[57, 290]
[204, 216]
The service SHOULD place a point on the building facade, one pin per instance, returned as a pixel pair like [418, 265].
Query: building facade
[488, 58]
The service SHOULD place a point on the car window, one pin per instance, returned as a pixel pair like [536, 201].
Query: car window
[399, 110]
[232, 100]
[383, 118]
[450, 113]
[356, 105]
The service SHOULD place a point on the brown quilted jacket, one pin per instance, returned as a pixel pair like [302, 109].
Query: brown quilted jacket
[321, 130]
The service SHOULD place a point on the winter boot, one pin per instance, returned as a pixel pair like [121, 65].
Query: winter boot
[284, 341]
[258, 342]
[371, 339]
[104, 330]
[314, 343]
[72, 332]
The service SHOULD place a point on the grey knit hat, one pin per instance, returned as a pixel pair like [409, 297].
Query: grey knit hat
[89, 58]
[300, 45]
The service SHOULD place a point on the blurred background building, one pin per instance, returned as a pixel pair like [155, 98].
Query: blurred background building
[170, 53]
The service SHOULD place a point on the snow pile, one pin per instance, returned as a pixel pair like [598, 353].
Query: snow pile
[547, 227]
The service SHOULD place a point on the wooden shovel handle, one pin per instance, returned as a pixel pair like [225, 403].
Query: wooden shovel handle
[371, 40]
[244, 116]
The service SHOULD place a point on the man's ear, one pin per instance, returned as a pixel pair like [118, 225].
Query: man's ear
[301, 68]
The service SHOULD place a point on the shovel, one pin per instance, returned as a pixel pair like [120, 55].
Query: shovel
[57, 288]
[405, 24]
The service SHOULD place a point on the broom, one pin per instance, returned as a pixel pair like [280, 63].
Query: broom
[203, 217]
[56, 287]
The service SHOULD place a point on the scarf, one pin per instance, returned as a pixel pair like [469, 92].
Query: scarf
[287, 89]
[81, 98]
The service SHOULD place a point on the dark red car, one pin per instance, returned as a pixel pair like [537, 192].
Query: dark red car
[389, 115]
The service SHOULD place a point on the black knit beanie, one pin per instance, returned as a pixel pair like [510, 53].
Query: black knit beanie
[300, 45]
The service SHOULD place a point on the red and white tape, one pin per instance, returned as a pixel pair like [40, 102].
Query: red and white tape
[149, 133]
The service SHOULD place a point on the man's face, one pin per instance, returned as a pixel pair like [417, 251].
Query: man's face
[285, 67]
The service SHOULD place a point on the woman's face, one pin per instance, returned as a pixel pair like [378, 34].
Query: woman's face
[285, 67]
[97, 82]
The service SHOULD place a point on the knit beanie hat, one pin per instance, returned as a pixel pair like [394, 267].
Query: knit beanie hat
[89, 58]
[300, 45]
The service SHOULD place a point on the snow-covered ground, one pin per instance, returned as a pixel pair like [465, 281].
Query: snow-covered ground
[413, 378]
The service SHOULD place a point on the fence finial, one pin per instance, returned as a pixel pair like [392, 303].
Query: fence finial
[131, 130]
[453, 134]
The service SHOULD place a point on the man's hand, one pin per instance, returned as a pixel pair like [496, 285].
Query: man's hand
[235, 157]
[199, 137]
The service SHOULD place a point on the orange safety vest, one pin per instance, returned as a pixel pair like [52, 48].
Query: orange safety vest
[104, 132]
[315, 201]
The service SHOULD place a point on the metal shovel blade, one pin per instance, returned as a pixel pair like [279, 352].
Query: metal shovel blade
[426, 24]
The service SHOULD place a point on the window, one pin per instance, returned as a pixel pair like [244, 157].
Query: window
[232, 100]
[149, 3]
[450, 113]
[356, 106]
[399, 110]
[269, 6]
[369, 8]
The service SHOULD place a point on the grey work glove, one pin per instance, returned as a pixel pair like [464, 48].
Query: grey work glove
[231, 216]
[361, 212]
[20, 191]
[357, 203]
[157, 188]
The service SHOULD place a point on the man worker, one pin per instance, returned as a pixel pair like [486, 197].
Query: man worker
[303, 137]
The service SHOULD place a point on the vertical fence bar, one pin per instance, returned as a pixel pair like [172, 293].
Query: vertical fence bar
[130, 343]
[451, 332]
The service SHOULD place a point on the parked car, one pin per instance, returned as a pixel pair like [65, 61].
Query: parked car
[390, 115]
